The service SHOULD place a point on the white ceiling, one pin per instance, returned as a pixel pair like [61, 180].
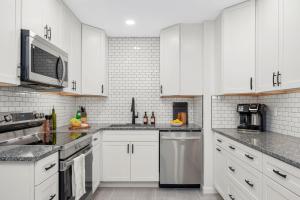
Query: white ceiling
[150, 15]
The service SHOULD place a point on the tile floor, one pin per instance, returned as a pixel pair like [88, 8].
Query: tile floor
[151, 194]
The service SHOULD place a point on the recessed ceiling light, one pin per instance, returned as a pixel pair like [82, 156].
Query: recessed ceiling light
[130, 22]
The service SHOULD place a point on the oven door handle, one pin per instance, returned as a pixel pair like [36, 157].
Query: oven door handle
[66, 164]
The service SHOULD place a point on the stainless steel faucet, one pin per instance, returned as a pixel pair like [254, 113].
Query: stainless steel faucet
[134, 116]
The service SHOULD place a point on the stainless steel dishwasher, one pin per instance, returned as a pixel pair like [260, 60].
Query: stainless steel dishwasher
[181, 159]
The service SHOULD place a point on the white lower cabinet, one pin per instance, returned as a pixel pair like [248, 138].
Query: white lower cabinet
[96, 161]
[48, 189]
[30, 180]
[258, 177]
[144, 161]
[274, 191]
[130, 157]
[116, 161]
[220, 165]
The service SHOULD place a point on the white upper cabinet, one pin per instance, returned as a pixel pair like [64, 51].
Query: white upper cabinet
[169, 61]
[290, 41]
[43, 18]
[267, 41]
[10, 41]
[94, 69]
[181, 60]
[278, 44]
[71, 37]
[238, 48]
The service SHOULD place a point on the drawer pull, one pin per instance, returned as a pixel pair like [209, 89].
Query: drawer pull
[231, 169]
[52, 196]
[95, 139]
[219, 140]
[280, 174]
[231, 147]
[51, 166]
[218, 149]
[250, 157]
[231, 197]
[249, 183]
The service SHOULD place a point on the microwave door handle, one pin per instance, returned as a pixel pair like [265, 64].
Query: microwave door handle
[64, 72]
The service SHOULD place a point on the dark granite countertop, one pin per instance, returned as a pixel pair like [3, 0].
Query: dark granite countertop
[94, 127]
[282, 147]
[29, 153]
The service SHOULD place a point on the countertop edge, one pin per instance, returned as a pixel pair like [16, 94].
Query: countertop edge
[269, 153]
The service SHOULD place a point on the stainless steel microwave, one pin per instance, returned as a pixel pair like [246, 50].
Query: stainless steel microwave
[42, 63]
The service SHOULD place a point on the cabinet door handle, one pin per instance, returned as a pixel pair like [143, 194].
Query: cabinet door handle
[132, 148]
[231, 169]
[102, 88]
[219, 140]
[128, 148]
[52, 196]
[278, 78]
[51, 166]
[73, 85]
[280, 174]
[248, 156]
[161, 89]
[274, 76]
[249, 183]
[251, 83]
[49, 33]
[231, 147]
[218, 149]
[46, 31]
[231, 197]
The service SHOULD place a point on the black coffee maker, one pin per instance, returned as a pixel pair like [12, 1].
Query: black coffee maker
[252, 116]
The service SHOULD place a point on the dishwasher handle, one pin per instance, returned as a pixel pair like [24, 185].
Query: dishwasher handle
[181, 138]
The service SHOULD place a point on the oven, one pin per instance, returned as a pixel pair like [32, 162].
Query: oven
[42, 63]
[66, 174]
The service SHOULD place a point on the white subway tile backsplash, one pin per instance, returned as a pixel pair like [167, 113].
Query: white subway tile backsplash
[133, 65]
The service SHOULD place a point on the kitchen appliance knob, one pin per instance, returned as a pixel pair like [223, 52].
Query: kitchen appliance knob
[37, 115]
[7, 118]
[42, 115]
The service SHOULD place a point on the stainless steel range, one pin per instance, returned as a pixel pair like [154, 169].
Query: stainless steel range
[26, 129]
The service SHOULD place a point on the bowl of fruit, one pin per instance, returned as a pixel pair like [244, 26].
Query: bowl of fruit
[176, 122]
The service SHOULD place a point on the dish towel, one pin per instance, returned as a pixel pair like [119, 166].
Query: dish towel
[78, 177]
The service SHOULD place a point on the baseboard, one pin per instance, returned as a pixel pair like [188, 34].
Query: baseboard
[129, 184]
[209, 190]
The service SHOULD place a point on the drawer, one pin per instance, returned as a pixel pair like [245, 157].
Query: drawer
[247, 178]
[282, 173]
[250, 156]
[220, 140]
[48, 190]
[234, 192]
[45, 168]
[131, 136]
[96, 138]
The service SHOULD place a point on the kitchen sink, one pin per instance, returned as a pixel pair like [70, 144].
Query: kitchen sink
[128, 125]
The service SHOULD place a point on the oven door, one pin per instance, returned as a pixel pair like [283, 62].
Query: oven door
[42, 62]
[65, 175]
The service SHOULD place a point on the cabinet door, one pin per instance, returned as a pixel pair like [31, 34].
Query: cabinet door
[93, 60]
[274, 191]
[191, 59]
[220, 170]
[71, 28]
[116, 161]
[170, 61]
[53, 17]
[144, 161]
[96, 166]
[47, 189]
[32, 12]
[239, 48]
[290, 41]
[267, 24]
[10, 41]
